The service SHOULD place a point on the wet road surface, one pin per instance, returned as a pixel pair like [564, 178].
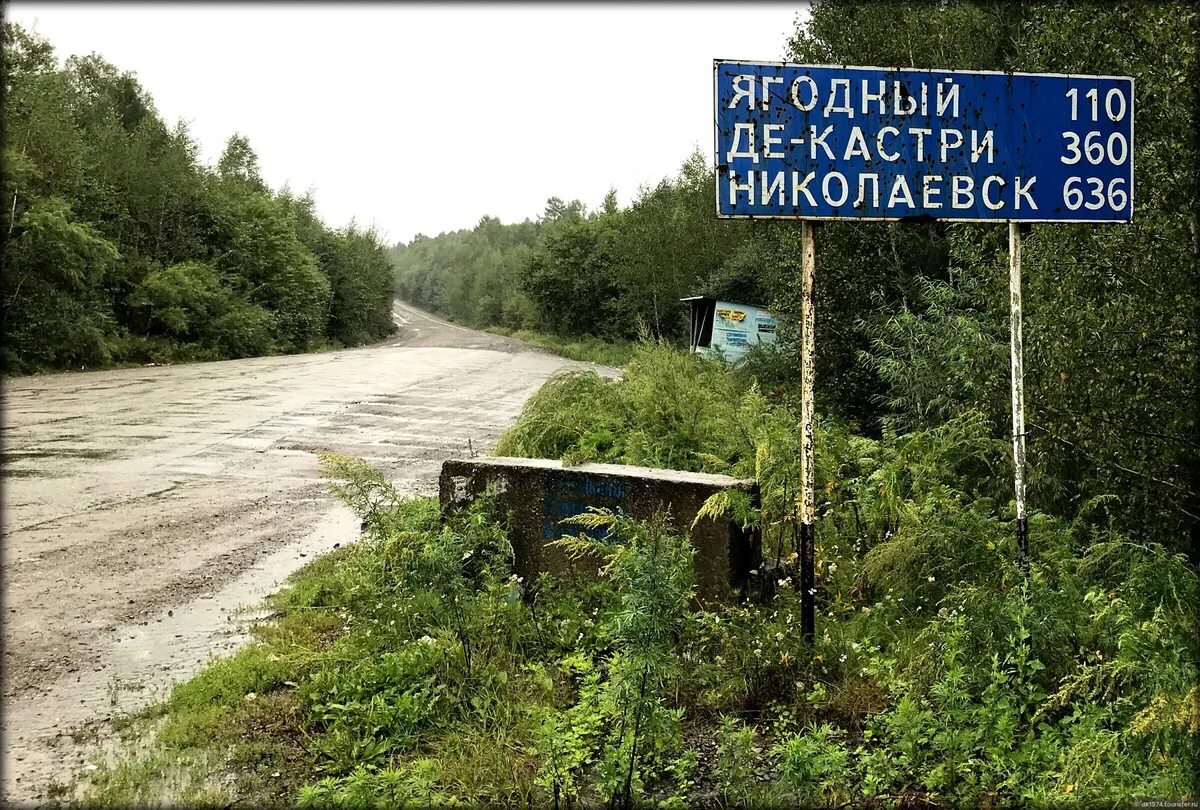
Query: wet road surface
[143, 507]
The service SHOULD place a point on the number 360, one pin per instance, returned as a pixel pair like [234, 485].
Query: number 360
[1095, 149]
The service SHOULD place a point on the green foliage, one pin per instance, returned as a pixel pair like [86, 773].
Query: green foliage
[586, 349]
[611, 273]
[567, 740]
[569, 276]
[470, 275]
[651, 571]
[942, 357]
[670, 409]
[54, 266]
[736, 757]
[1110, 312]
[120, 247]
[813, 765]
[934, 658]
[563, 414]
[410, 787]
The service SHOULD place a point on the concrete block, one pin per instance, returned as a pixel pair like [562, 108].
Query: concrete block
[535, 494]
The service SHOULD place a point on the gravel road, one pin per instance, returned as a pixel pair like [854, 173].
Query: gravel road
[144, 507]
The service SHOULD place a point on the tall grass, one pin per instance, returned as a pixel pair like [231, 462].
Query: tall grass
[587, 349]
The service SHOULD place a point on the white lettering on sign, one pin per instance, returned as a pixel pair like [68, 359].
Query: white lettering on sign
[799, 188]
[743, 88]
[946, 97]
[868, 96]
[776, 186]
[812, 93]
[902, 102]
[994, 205]
[962, 192]
[831, 105]
[845, 189]
[860, 200]
[1116, 111]
[920, 132]
[901, 187]
[767, 81]
[815, 140]
[770, 140]
[978, 146]
[1116, 197]
[930, 192]
[857, 146]
[950, 139]
[896, 143]
[890, 157]
[926, 193]
[736, 149]
[1024, 192]
[735, 187]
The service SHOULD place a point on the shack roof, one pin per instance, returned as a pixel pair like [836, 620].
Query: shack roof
[709, 298]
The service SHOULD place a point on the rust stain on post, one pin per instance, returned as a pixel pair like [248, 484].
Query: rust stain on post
[1018, 387]
[808, 367]
[808, 589]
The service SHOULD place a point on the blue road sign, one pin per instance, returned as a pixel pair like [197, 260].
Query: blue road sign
[827, 142]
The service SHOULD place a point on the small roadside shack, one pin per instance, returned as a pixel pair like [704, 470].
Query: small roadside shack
[726, 329]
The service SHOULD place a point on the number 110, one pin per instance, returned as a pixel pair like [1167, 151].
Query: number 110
[1114, 103]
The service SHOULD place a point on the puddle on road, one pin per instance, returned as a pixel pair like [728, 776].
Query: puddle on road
[9, 456]
[142, 662]
[9, 472]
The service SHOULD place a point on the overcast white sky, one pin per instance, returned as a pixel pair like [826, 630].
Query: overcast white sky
[423, 118]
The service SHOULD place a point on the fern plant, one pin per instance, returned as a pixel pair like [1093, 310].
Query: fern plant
[651, 571]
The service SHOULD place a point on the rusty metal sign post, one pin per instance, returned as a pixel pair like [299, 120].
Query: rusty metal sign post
[1017, 351]
[828, 142]
[808, 585]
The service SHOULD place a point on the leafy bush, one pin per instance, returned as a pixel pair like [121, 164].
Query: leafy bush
[671, 409]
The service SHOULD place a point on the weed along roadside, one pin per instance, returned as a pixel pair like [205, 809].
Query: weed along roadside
[415, 667]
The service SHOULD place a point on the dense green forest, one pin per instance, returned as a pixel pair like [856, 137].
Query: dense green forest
[121, 247]
[912, 318]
